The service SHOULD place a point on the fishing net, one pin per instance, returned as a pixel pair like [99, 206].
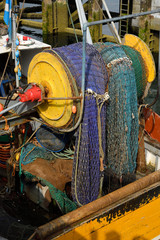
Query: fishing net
[122, 112]
[139, 69]
[62, 200]
[49, 140]
[86, 166]
[30, 153]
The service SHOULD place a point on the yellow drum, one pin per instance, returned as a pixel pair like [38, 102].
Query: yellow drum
[48, 70]
[139, 45]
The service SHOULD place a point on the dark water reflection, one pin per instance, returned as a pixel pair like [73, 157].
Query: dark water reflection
[55, 40]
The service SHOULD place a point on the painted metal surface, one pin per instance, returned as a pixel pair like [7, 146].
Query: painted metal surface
[101, 208]
[152, 123]
[138, 44]
[27, 51]
[137, 218]
[35, 44]
[47, 70]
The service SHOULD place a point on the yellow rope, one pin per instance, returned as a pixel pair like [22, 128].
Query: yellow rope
[27, 140]
[76, 169]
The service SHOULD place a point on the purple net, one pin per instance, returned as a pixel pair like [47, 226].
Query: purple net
[86, 166]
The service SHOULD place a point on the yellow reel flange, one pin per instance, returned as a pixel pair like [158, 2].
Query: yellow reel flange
[47, 70]
[139, 45]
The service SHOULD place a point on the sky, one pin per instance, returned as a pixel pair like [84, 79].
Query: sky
[113, 5]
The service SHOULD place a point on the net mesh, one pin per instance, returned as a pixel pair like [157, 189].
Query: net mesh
[29, 154]
[48, 139]
[62, 200]
[122, 112]
[139, 69]
[86, 166]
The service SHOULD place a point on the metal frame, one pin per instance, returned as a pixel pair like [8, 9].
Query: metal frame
[88, 24]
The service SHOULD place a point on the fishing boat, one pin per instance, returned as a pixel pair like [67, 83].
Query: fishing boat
[75, 139]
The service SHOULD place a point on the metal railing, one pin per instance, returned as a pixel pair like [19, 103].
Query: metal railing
[88, 24]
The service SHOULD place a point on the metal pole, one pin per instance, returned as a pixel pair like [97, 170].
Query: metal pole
[83, 20]
[112, 23]
[14, 36]
[88, 24]
[11, 107]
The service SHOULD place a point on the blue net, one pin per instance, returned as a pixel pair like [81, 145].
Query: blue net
[122, 111]
[51, 141]
[86, 166]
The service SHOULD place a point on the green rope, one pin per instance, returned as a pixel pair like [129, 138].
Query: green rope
[20, 166]
[72, 21]
[66, 154]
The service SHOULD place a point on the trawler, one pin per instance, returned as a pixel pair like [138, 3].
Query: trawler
[72, 138]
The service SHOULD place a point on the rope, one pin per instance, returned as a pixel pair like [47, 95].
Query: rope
[66, 154]
[20, 166]
[20, 15]
[27, 140]
[76, 166]
[100, 99]
[9, 54]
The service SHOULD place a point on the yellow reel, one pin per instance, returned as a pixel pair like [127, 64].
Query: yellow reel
[47, 70]
[139, 45]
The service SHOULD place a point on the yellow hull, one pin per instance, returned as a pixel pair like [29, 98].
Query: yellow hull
[142, 223]
[129, 213]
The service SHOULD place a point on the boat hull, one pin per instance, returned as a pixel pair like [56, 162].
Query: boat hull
[118, 215]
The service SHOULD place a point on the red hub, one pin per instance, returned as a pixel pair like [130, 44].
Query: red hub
[32, 94]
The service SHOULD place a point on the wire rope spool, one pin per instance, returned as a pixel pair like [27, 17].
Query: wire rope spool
[139, 45]
[49, 70]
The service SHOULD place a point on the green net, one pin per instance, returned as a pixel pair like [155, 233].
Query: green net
[62, 200]
[122, 110]
[139, 69]
[29, 154]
